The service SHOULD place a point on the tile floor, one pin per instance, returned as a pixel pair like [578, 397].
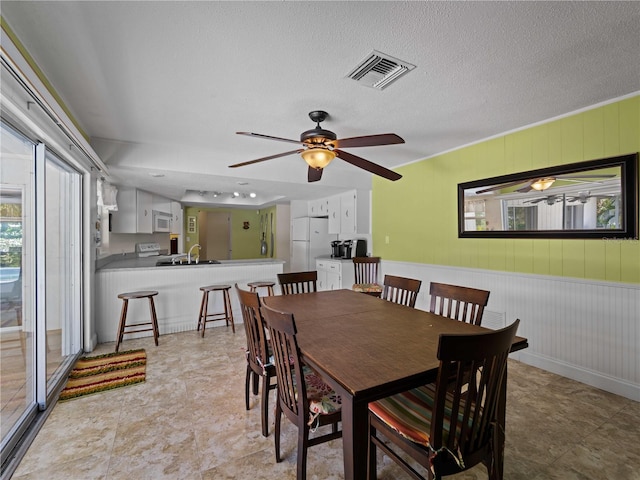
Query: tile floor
[188, 421]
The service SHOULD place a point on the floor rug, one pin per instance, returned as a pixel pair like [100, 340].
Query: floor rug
[105, 372]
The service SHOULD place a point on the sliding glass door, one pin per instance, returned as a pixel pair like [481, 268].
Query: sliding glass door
[40, 279]
[62, 266]
[17, 339]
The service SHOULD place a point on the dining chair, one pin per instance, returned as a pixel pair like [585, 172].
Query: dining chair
[259, 358]
[366, 275]
[401, 290]
[305, 399]
[443, 430]
[459, 303]
[298, 282]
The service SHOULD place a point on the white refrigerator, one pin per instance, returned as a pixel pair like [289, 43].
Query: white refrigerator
[309, 239]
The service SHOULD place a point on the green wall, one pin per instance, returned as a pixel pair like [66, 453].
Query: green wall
[418, 213]
[244, 243]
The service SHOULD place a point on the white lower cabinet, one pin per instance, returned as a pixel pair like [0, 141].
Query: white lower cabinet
[334, 274]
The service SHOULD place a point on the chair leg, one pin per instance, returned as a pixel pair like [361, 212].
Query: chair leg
[123, 317]
[154, 320]
[372, 473]
[303, 436]
[266, 380]
[276, 441]
[255, 383]
[228, 313]
[247, 381]
[205, 307]
[204, 294]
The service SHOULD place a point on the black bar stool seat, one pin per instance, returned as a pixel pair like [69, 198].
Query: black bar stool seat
[253, 286]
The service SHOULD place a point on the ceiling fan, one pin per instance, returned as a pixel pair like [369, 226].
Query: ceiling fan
[542, 183]
[549, 200]
[320, 147]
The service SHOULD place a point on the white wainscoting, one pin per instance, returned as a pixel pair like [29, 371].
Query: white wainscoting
[585, 330]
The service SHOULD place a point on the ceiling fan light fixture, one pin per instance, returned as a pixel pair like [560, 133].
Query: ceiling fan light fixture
[318, 157]
[543, 183]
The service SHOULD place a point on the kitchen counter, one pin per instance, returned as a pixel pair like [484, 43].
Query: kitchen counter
[335, 259]
[178, 286]
[150, 262]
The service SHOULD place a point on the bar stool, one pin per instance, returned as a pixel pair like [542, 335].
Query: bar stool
[253, 286]
[123, 315]
[205, 317]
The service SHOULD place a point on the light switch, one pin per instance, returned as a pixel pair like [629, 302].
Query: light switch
[386, 239]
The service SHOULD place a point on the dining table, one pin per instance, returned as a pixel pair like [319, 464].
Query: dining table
[367, 348]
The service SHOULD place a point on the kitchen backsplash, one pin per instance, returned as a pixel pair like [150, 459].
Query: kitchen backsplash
[126, 242]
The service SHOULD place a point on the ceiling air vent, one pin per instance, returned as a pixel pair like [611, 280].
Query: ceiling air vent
[379, 70]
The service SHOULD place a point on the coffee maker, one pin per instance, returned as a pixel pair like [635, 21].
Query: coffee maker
[361, 248]
[336, 249]
[347, 246]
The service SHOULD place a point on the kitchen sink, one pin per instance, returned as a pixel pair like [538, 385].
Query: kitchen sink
[168, 263]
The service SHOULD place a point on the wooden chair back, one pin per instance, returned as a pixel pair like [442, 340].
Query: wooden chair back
[464, 416]
[254, 327]
[366, 269]
[258, 354]
[286, 357]
[298, 282]
[459, 303]
[293, 399]
[401, 290]
[461, 421]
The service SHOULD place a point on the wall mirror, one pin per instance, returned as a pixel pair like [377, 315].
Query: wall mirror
[593, 199]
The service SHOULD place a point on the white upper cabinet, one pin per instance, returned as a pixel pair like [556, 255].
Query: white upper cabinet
[349, 213]
[134, 214]
[318, 208]
[334, 214]
[176, 218]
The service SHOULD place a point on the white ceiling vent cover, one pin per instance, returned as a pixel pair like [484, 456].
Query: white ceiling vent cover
[379, 70]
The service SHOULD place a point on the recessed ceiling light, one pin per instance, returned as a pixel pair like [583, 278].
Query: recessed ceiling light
[252, 195]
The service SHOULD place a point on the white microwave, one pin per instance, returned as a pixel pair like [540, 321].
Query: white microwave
[161, 222]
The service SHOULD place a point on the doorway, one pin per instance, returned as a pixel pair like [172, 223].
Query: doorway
[214, 235]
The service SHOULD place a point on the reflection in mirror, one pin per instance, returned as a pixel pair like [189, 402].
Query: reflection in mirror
[596, 199]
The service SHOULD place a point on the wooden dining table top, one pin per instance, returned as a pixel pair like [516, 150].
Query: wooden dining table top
[370, 342]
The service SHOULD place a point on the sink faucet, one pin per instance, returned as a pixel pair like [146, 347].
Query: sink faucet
[178, 258]
[189, 254]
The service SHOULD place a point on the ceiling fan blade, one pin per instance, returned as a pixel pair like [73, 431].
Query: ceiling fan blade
[527, 187]
[499, 187]
[265, 158]
[367, 165]
[367, 141]
[314, 174]
[269, 137]
[586, 176]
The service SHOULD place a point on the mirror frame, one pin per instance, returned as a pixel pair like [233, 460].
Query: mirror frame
[629, 194]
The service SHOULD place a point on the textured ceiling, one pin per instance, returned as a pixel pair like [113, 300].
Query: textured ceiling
[162, 87]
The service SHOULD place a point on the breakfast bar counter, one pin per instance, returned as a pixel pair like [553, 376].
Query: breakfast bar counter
[178, 286]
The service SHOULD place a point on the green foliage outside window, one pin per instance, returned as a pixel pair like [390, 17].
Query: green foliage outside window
[10, 235]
